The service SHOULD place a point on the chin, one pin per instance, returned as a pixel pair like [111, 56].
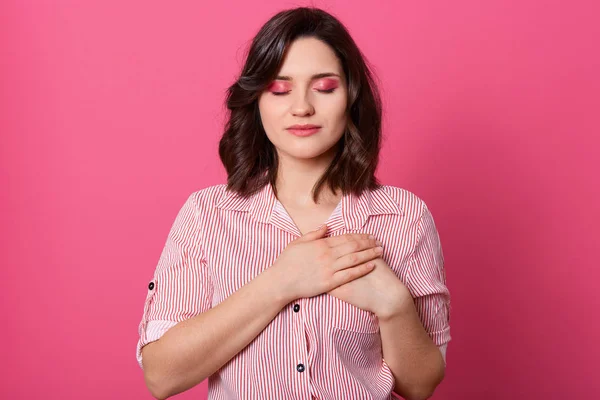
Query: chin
[306, 152]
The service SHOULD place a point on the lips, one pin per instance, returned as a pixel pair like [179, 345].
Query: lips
[304, 130]
[305, 126]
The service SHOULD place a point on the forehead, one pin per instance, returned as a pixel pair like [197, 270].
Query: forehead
[308, 56]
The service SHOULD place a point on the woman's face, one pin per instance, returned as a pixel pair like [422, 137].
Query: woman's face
[300, 96]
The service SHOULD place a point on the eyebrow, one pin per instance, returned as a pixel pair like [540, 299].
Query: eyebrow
[315, 76]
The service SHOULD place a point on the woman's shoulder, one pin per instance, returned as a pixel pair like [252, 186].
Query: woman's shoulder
[406, 199]
[208, 196]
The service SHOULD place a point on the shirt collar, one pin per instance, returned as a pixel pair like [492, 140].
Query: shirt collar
[355, 210]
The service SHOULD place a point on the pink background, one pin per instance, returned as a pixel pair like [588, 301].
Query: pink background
[110, 115]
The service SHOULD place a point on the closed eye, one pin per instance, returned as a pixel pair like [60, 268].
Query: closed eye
[320, 91]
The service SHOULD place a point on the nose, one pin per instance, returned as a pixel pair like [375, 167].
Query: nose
[302, 105]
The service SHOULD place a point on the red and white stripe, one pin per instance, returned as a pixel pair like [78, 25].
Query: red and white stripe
[220, 241]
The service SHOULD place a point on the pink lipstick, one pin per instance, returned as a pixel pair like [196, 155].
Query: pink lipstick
[303, 130]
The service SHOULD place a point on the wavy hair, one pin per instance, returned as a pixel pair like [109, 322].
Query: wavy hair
[250, 158]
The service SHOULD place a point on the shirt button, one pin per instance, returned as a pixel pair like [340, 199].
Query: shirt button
[296, 307]
[151, 285]
[300, 367]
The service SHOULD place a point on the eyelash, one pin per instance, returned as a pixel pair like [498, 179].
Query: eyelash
[320, 91]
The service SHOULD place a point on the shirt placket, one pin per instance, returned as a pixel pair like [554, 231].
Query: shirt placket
[301, 367]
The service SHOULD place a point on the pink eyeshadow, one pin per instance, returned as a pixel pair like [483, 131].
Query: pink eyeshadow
[278, 87]
[329, 84]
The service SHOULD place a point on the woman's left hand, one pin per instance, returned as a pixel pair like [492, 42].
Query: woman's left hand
[380, 291]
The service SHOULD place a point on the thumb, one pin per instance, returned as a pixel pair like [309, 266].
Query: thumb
[317, 233]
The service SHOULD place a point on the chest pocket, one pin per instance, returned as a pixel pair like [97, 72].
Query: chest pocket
[356, 339]
[348, 317]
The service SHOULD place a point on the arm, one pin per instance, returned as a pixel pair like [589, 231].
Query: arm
[415, 333]
[415, 361]
[181, 334]
[194, 349]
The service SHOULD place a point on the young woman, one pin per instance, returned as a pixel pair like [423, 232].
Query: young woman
[302, 277]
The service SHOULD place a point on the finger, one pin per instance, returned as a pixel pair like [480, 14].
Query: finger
[349, 274]
[312, 235]
[333, 241]
[352, 259]
[353, 246]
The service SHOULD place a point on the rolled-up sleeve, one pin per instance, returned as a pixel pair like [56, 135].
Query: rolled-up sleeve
[181, 287]
[427, 282]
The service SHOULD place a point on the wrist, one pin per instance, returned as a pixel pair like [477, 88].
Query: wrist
[398, 306]
[274, 284]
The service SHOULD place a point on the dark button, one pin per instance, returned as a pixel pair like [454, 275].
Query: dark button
[151, 285]
[296, 307]
[300, 367]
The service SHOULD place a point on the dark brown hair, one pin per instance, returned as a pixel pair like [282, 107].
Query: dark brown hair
[245, 150]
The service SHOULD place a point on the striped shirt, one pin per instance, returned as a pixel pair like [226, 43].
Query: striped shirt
[318, 347]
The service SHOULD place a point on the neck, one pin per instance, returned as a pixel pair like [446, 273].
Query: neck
[295, 181]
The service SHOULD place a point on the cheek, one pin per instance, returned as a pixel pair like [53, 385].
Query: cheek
[339, 122]
[336, 112]
[334, 105]
[272, 105]
[269, 112]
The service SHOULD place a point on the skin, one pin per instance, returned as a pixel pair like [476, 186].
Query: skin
[415, 361]
[194, 349]
[304, 159]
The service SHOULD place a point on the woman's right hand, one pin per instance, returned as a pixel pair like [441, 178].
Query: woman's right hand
[312, 265]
